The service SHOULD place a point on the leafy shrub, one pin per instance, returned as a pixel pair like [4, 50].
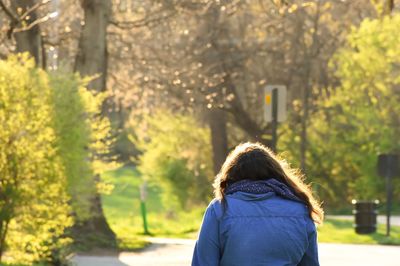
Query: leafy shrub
[53, 142]
[83, 138]
[34, 210]
[176, 155]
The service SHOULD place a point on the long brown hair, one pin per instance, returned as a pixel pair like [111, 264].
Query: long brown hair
[254, 161]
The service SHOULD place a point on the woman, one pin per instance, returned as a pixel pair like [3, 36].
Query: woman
[262, 214]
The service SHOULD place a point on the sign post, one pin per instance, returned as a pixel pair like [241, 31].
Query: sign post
[274, 109]
[388, 167]
[143, 196]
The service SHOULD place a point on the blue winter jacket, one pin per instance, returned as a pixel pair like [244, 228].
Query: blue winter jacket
[256, 229]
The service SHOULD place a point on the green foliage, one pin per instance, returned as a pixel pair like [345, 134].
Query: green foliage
[53, 144]
[358, 120]
[342, 231]
[122, 210]
[176, 155]
[83, 138]
[73, 138]
[34, 208]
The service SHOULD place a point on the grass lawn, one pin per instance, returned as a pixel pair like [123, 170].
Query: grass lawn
[122, 210]
[341, 231]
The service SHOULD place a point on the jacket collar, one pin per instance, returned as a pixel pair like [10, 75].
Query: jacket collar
[251, 196]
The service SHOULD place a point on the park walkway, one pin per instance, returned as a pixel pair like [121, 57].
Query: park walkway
[394, 220]
[177, 252]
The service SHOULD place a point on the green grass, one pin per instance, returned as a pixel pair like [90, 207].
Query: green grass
[341, 231]
[122, 210]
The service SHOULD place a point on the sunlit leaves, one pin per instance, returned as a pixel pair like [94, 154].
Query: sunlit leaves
[33, 200]
[176, 156]
[53, 141]
[359, 119]
[83, 138]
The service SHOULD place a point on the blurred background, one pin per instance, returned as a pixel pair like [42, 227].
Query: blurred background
[115, 115]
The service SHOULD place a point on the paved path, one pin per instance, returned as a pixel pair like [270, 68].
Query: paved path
[394, 220]
[157, 255]
[179, 252]
[365, 255]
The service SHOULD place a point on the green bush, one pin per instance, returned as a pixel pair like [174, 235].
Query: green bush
[83, 138]
[176, 155]
[34, 210]
[53, 141]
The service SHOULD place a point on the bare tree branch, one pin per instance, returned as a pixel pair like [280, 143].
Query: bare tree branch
[33, 8]
[16, 20]
[126, 25]
[9, 12]
[33, 24]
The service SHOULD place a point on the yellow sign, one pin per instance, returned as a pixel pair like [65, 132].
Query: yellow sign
[268, 98]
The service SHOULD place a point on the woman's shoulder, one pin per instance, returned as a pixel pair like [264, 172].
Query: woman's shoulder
[216, 207]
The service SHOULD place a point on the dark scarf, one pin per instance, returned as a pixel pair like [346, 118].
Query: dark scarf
[262, 187]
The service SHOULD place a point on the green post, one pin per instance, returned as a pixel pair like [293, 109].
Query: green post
[143, 195]
[143, 208]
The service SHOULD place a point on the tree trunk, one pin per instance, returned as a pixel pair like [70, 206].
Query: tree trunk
[211, 32]
[30, 40]
[389, 6]
[92, 52]
[219, 141]
[307, 90]
[94, 232]
[216, 117]
[3, 234]
[303, 134]
[92, 60]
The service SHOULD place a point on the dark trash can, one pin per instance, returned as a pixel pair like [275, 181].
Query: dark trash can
[365, 215]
